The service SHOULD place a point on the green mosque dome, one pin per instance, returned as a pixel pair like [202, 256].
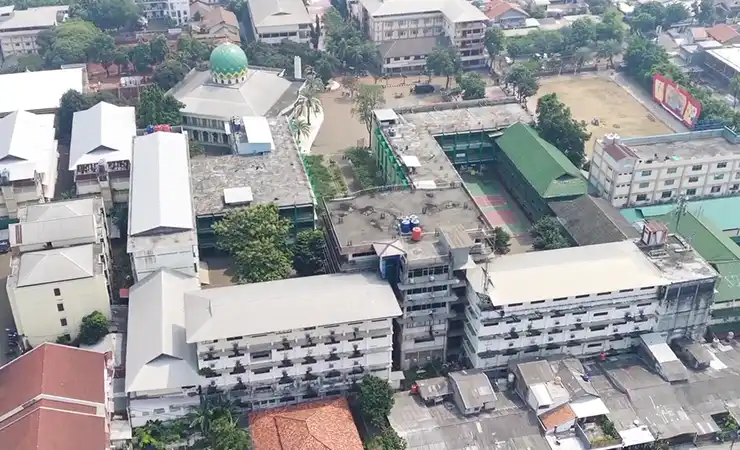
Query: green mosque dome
[228, 63]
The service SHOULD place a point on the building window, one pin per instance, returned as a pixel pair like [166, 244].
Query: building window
[721, 165]
[60, 307]
[690, 191]
[641, 197]
[646, 173]
[644, 185]
[735, 187]
[673, 170]
[57, 292]
[715, 189]
[666, 194]
[669, 182]
[63, 322]
[719, 176]
[696, 167]
[693, 179]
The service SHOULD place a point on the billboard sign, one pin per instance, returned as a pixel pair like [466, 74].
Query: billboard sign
[676, 100]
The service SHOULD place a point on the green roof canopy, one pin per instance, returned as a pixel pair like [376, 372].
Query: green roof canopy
[545, 167]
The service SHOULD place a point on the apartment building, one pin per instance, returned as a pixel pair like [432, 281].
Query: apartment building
[56, 397]
[28, 160]
[177, 10]
[586, 300]
[282, 342]
[19, 30]
[162, 381]
[662, 169]
[407, 31]
[59, 269]
[100, 151]
[161, 223]
[273, 21]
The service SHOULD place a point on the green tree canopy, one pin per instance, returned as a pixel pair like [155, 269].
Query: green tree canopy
[368, 98]
[444, 61]
[376, 400]
[168, 74]
[472, 85]
[155, 107]
[158, 48]
[346, 41]
[67, 43]
[256, 239]
[501, 241]
[308, 253]
[141, 56]
[495, 42]
[103, 50]
[546, 233]
[523, 81]
[107, 14]
[93, 328]
[556, 125]
[387, 440]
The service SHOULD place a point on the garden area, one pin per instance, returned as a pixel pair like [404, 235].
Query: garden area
[326, 178]
[364, 167]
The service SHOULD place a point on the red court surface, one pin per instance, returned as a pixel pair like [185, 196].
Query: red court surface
[495, 201]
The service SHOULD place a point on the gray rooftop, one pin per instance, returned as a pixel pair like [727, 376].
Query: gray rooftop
[275, 177]
[441, 427]
[591, 220]
[21, 20]
[474, 388]
[408, 47]
[678, 146]
[417, 126]
[263, 93]
[277, 13]
[678, 261]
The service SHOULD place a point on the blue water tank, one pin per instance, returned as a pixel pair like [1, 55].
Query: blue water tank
[405, 226]
[150, 129]
[415, 222]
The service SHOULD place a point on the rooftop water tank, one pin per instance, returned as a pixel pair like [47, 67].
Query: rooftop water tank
[416, 234]
[405, 226]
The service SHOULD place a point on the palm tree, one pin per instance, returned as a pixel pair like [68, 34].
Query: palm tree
[301, 128]
[308, 104]
[735, 89]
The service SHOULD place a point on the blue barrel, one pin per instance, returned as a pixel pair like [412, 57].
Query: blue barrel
[405, 226]
[150, 129]
[415, 222]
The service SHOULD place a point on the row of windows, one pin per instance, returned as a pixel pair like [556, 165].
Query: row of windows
[415, 33]
[717, 177]
[426, 290]
[438, 270]
[600, 294]
[689, 192]
[694, 168]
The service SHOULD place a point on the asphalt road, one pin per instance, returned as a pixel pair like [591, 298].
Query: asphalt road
[6, 316]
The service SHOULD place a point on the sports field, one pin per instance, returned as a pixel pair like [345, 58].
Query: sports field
[592, 97]
[500, 209]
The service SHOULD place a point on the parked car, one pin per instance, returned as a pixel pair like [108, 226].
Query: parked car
[423, 88]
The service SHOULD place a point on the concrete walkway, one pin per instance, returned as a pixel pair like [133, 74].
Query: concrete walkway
[304, 145]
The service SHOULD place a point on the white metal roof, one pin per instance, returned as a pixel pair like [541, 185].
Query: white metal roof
[159, 197]
[278, 13]
[60, 210]
[453, 10]
[257, 130]
[27, 144]
[294, 303]
[238, 196]
[103, 132]
[36, 91]
[658, 347]
[568, 272]
[62, 264]
[80, 229]
[728, 55]
[541, 394]
[157, 356]
[44, 16]
[589, 407]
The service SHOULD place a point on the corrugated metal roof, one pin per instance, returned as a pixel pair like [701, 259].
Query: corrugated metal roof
[157, 356]
[103, 132]
[160, 198]
[36, 91]
[277, 13]
[290, 304]
[27, 144]
[63, 264]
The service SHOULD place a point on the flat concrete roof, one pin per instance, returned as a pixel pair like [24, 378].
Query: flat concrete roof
[275, 177]
[728, 55]
[681, 146]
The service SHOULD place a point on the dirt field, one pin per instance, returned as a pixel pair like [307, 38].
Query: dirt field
[592, 97]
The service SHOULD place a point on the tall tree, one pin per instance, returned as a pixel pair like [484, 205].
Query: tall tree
[495, 42]
[501, 241]
[472, 86]
[376, 400]
[546, 234]
[308, 253]
[556, 125]
[256, 239]
[107, 14]
[67, 43]
[308, 103]
[158, 49]
[368, 98]
[444, 61]
[141, 56]
[608, 50]
[157, 108]
[735, 89]
[167, 75]
[102, 50]
[522, 79]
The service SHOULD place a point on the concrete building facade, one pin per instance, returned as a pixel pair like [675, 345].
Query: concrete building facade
[273, 21]
[20, 29]
[177, 10]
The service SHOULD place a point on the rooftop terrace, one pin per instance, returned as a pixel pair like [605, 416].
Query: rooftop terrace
[677, 146]
[275, 177]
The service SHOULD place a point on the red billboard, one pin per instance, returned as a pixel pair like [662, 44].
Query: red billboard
[676, 100]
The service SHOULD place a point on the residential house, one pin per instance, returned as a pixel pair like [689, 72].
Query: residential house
[325, 424]
[100, 151]
[59, 269]
[275, 20]
[724, 34]
[161, 224]
[55, 397]
[162, 381]
[28, 160]
[215, 23]
[505, 15]
[20, 29]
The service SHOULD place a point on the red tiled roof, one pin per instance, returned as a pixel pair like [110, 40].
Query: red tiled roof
[68, 374]
[322, 425]
[497, 8]
[558, 416]
[722, 33]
